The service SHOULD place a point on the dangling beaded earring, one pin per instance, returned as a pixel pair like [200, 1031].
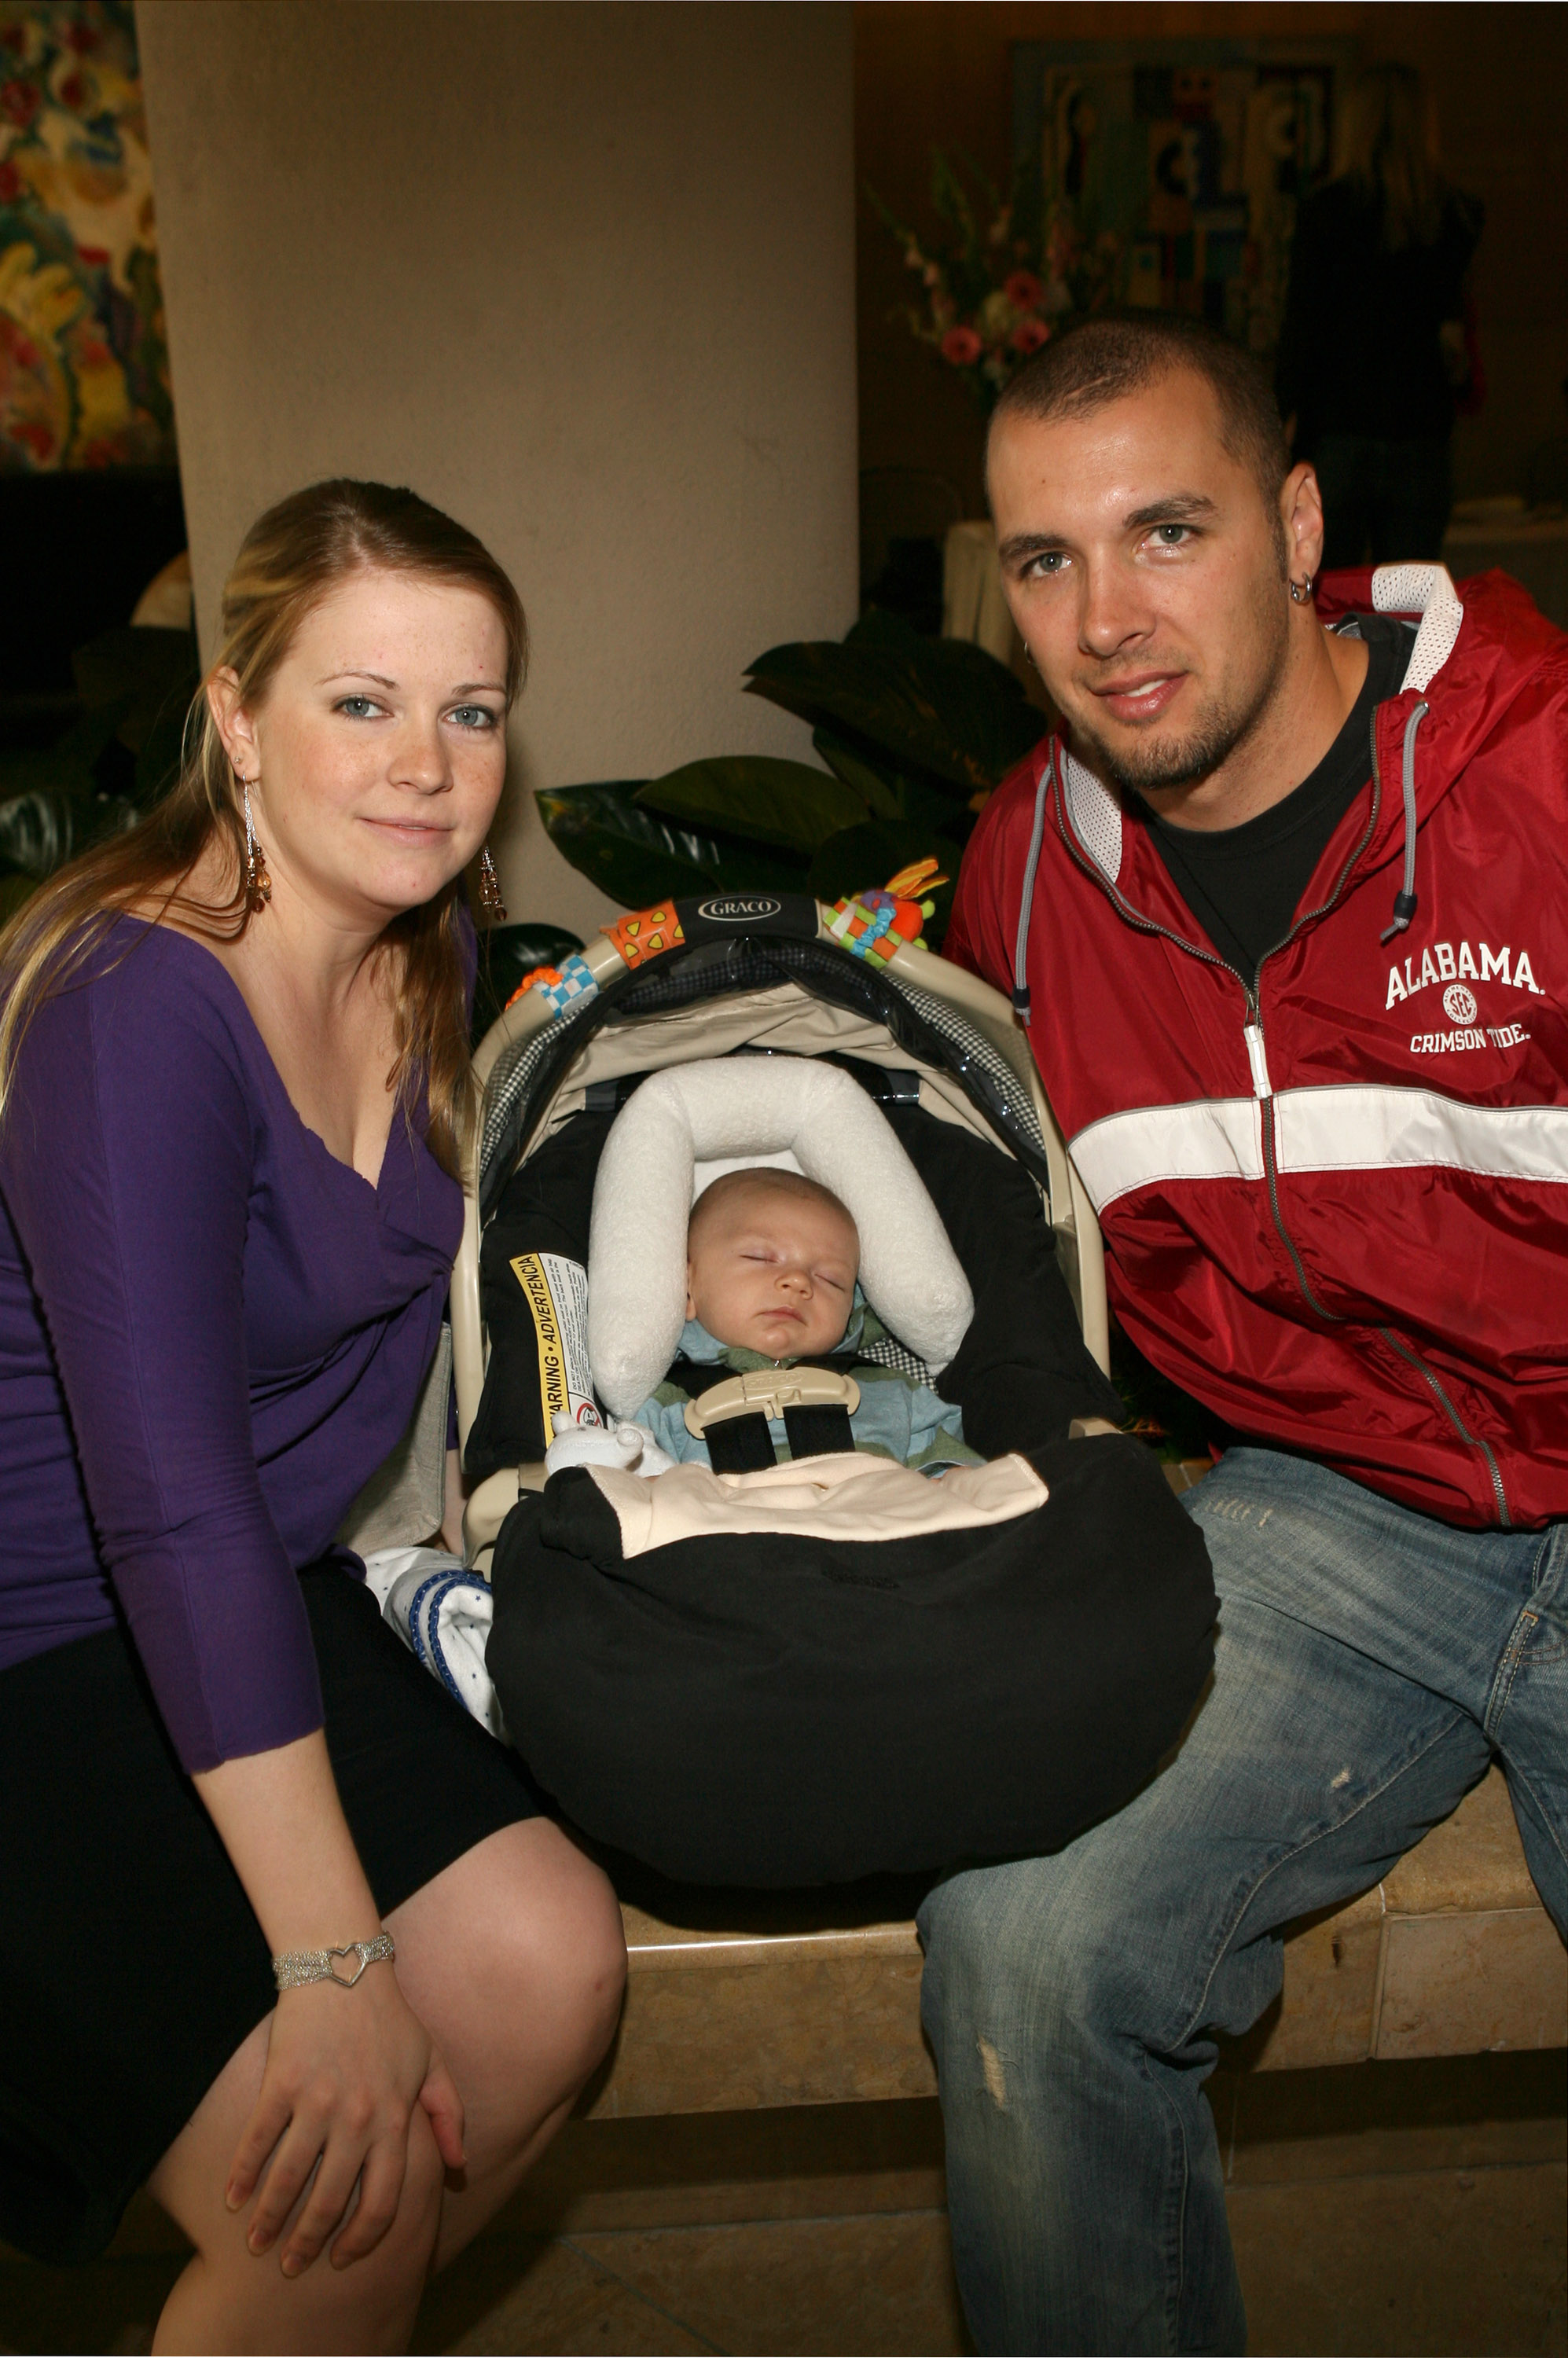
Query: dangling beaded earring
[258, 883]
[491, 907]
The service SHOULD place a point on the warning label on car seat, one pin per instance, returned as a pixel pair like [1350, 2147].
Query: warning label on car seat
[555, 1291]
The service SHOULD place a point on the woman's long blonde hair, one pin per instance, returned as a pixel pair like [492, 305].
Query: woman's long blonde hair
[1385, 144]
[291, 559]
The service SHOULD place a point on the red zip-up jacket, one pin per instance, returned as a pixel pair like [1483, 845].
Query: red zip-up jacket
[1335, 1206]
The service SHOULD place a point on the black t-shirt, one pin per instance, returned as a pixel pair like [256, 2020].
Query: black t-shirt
[1244, 884]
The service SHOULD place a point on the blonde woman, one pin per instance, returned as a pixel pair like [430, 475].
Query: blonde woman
[233, 1084]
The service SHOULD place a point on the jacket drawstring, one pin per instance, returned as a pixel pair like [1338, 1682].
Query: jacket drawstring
[1021, 947]
[1404, 900]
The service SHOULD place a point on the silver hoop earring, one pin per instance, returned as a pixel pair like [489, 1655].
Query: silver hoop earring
[1301, 593]
[258, 883]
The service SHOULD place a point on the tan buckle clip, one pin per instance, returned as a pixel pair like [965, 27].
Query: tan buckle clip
[768, 1391]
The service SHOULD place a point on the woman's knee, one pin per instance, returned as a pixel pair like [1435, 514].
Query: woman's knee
[522, 1970]
[582, 1960]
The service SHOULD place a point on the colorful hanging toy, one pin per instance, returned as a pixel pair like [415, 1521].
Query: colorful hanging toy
[563, 987]
[875, 926]
[646, 933]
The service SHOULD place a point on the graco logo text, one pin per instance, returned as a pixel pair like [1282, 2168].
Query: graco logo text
[735, 908]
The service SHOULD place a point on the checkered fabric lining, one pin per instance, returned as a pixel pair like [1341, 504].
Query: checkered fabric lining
[1004, 1088]
[888, 1354]
[508, 1085]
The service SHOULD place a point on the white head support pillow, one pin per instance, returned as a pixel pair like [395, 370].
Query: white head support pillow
[739, 1109]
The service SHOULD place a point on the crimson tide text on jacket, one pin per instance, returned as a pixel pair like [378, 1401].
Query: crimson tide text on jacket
[1335, 1203]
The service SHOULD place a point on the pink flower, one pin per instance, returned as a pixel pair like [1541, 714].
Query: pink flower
[1029, 335]
[1023, 289]
[962, 347]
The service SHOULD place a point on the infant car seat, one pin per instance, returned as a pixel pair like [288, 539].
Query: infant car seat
[818, 1669]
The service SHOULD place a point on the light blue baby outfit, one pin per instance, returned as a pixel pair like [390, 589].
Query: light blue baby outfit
[897, 1417]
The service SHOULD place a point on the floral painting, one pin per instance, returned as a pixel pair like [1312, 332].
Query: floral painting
[83, 364]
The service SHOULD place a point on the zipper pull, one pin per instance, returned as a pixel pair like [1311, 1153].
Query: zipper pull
[1253, 1035]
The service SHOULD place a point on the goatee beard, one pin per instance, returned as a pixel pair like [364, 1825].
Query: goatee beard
[1145, 769]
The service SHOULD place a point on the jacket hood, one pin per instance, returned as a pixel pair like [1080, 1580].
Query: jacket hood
[1478, 643]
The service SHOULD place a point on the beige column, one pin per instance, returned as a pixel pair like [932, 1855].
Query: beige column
[581, 274]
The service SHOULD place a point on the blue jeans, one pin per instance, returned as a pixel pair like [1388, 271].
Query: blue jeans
[1371, 1664]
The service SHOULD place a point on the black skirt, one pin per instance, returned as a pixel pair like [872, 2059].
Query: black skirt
[131, 1966]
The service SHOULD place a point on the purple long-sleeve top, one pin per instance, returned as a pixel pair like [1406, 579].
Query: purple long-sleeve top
[212, 1334]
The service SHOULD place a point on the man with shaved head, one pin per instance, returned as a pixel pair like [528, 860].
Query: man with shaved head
[1283, 904]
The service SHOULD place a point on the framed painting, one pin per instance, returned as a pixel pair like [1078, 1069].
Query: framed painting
[1193, 154]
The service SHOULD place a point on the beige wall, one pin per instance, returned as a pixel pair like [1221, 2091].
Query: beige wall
[584, 275]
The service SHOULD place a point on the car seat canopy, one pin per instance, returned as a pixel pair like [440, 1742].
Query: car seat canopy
[736, 1109]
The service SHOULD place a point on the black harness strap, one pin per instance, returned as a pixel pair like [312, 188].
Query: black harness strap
[742, 1445]
[813, 1431]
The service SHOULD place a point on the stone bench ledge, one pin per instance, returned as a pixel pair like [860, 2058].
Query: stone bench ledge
[1451, 1954]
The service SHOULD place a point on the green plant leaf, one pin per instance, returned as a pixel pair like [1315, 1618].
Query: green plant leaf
[879, 785]
[765, 801]
[892, 793]
[638, 858]
[861, 858]
[937, 706]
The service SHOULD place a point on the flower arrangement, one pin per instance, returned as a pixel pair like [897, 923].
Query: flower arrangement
[995, 293]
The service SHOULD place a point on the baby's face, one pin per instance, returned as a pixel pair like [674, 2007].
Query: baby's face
[774, 1274]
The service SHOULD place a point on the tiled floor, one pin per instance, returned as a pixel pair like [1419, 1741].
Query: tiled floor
[1392, 2208]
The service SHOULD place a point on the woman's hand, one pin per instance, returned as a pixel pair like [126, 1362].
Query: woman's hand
[345, 2071]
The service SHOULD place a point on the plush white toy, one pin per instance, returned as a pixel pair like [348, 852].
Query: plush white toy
[736, 1110]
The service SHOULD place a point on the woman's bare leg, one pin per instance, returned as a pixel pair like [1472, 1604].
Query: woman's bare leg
[228, 2298]
[513, 1961]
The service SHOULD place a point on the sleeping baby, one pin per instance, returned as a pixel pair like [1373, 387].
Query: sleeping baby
[772, 1263]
